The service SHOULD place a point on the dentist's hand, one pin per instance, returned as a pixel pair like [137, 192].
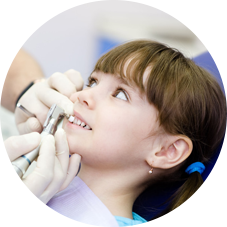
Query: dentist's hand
[54, 169]
[42, 95]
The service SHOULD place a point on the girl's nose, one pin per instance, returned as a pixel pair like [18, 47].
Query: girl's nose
[84, 97]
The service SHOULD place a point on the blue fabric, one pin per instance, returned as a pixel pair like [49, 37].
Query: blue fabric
[127, 221]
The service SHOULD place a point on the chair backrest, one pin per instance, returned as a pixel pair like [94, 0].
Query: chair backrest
[215, 174]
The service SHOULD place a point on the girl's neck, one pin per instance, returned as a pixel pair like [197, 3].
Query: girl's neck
[116, 190]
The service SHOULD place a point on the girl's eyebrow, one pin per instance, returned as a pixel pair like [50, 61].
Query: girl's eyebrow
[124, 81]
[121, 79]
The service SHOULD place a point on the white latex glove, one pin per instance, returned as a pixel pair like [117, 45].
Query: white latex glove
[41, 96]
[54, 169]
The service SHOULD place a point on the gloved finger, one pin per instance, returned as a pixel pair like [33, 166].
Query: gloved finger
[60, 168]
[20, 116]
[49, 96]
[61, 161]
[19, 145]
[43, 173]
[76, 78]
[31, 125]
[62, 149]
[39, 109]
[62, 84]
[32, 188]
[54, 185]
[32, 104]
[74, 163]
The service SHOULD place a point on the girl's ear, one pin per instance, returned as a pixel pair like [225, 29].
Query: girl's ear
[174, 152]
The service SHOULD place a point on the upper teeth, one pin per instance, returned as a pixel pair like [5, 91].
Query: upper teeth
[74, 120]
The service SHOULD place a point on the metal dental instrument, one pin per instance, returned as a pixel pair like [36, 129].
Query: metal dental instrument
[54, 118]
[25, 110]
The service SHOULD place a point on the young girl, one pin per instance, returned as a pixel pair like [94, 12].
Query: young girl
[148, 118]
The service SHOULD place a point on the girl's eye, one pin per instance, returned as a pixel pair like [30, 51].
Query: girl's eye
[92, 82]
[121, 94]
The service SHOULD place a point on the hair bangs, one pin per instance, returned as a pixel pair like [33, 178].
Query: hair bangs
[127, 62]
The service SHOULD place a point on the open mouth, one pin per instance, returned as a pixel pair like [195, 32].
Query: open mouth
[77, 121]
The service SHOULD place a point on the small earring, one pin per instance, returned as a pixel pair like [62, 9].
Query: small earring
[150, 171]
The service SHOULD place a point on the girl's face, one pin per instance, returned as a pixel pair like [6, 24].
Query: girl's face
[119, 121]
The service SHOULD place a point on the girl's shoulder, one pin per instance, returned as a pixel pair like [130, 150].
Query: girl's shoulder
[127, 221]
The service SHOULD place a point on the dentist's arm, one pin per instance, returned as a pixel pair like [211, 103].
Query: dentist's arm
[57, 89]
[23, 70]
[54, 169]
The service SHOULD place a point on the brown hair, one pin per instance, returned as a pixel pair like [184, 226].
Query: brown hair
[189, 99]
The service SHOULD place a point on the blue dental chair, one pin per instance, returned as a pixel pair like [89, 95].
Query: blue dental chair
[215, 175]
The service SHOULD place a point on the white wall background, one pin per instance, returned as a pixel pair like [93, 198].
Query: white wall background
[71, 39]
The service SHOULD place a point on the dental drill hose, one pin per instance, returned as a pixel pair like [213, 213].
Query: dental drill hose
[54, 118]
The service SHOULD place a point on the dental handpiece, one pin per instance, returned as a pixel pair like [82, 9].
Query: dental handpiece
[54, 119]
